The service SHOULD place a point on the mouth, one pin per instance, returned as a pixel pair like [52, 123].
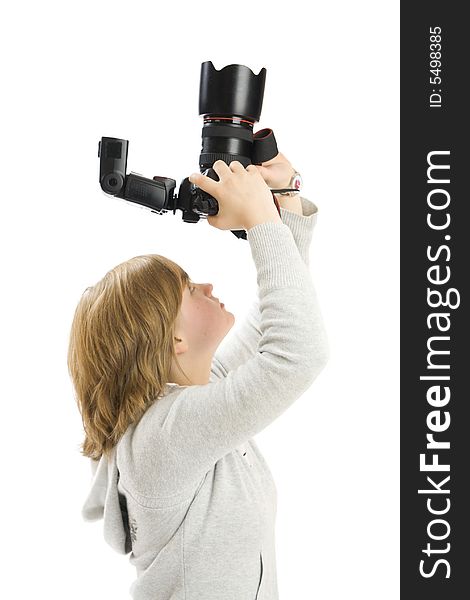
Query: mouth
[221, 304]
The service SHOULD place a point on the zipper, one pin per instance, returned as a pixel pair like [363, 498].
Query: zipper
[260, 575]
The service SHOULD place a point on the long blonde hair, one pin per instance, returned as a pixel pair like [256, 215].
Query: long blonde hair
[121, 346]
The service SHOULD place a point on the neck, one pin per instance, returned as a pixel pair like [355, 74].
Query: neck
[198, 371]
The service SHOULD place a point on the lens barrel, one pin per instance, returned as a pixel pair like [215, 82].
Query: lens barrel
[230, 101]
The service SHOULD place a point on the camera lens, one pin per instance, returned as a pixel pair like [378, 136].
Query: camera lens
[113, 182]
[230, 101]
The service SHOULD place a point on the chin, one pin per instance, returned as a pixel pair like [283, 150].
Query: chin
[231, 324]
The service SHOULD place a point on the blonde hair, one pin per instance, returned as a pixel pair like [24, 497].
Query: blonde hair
[121, 346]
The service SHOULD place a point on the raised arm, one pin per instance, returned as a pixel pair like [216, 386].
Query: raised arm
[194, 427]
[243, 342]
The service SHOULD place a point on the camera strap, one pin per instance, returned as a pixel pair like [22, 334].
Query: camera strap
[264, 146]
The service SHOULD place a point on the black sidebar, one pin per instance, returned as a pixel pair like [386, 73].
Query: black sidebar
[434, 301]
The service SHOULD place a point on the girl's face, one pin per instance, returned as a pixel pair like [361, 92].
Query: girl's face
[202, 321]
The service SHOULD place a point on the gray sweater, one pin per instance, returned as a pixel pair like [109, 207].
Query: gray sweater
[187, 492]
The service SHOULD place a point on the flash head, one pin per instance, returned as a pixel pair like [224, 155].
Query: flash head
[155, 194]
[113, 162]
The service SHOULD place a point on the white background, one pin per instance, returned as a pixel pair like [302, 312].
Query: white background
[73, 72]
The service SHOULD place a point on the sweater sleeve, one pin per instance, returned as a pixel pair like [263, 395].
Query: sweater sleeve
[244, 341]
[204, 422]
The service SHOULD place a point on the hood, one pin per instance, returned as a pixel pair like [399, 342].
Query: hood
[105, 502]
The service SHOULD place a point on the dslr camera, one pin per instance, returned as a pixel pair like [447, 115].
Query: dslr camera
[230, 101]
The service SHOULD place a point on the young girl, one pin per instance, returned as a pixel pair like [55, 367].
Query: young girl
[170, 420]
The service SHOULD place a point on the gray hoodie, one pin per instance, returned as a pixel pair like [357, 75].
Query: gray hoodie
[186, 491]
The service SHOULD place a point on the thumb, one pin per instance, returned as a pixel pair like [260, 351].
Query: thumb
[264, 172]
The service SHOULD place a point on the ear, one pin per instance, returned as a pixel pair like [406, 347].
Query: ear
[180, 346]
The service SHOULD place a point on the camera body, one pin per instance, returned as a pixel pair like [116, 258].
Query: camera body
[230, 101]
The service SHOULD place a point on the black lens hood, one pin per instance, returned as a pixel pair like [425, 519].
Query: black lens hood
[233, 91]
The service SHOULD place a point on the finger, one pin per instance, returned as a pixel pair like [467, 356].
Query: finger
[258, 170]
[207, 184]
[221, 168]
[236, 166]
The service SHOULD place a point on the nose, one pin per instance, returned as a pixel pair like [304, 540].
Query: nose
[209, 287]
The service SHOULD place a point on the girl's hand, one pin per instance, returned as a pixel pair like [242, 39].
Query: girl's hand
[244, 198]
[277, 172]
